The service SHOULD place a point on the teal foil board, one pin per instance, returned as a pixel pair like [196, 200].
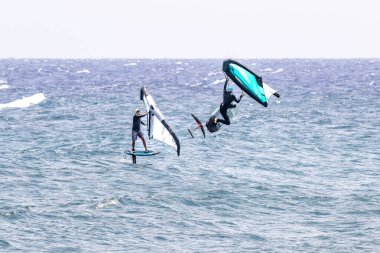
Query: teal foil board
[141, 153]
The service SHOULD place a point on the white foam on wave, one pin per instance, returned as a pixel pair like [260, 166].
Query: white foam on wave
[4, 86]
[3, 82]
[179, 70]
[108, 202]
[213, 73]
[371, 83]
[178, 62]
[278, 71]
[83, 71]
[218, 81]
[268, 69]
[130, 64]
[193, 85]
[25, 101]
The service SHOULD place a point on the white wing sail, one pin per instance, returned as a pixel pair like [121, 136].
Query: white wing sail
[158, 128]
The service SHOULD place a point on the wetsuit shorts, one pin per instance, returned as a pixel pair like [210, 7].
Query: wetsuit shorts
[136, 133]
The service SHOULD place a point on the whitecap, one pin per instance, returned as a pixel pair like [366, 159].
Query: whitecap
[218, 81]
[25, 101]
[213, 73]
[268, 69]
[196, 84]
[179, 70]
[178, 62]
[108, 202]
[83, 71]
[4, 86]
[371, 83]
[130, 64]
[278, 71]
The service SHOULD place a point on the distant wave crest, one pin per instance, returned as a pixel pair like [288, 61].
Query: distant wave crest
[218, 81]
[278, 71]
[274, 71]
[213, 73]
[83, 71]
[24, 102]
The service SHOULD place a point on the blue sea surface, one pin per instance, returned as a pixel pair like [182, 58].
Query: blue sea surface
[302, 175]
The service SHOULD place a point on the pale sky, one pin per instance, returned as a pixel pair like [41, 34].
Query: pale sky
[190, 28]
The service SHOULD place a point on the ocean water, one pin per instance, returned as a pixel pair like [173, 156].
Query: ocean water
[302, 175]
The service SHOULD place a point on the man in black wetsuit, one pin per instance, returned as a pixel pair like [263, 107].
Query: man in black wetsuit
[136, 129]
[228, 98]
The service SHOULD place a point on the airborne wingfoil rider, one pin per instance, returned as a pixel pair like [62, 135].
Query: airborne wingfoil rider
[228, 98]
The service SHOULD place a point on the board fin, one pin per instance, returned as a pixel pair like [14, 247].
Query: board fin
[191, 133]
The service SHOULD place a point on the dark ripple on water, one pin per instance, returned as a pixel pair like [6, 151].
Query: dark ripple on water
[300, 175]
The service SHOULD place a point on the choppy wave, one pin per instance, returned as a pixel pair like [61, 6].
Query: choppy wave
[130, 64]
[25, 101]
[286, 178]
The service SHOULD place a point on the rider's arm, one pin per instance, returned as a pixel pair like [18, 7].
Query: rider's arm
[238, 100]
[226, 82]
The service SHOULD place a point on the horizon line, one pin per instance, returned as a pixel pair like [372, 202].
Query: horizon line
[189, 58]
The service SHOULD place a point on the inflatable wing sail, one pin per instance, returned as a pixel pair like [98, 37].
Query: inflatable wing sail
[249, 82]
[158, 128]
